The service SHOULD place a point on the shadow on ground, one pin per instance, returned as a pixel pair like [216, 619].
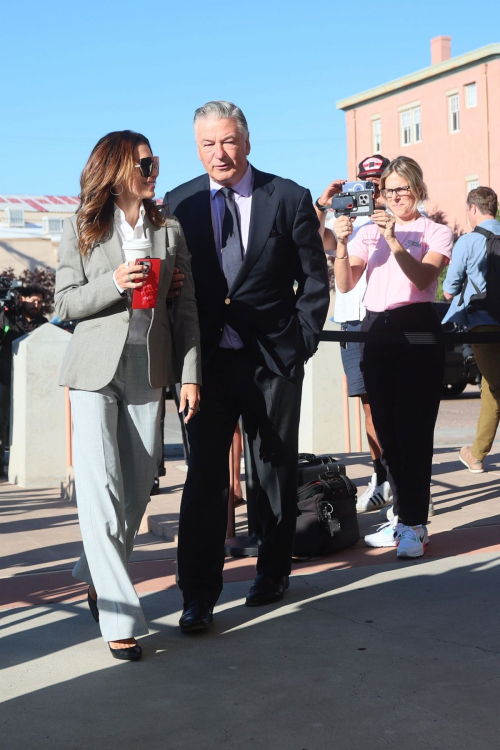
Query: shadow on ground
[390, 656]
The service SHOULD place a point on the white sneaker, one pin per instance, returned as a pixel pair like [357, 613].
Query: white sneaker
[387, 535]
[387, 514]
[413, 541]
[375, 496]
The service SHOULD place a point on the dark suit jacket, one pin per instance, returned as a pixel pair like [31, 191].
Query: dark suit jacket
[278, 321]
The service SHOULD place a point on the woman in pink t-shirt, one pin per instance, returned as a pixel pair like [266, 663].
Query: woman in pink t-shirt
[404, 253]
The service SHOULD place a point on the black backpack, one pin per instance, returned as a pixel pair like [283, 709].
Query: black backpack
[311, 466]
[488, 300]
[327, 519]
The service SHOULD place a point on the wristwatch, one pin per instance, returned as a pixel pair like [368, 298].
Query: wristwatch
[320, 207]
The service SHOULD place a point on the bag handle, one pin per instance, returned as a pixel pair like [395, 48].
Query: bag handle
[307, 456]
[327, 475]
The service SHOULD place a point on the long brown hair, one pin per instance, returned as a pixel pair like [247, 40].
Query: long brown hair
[110, 163]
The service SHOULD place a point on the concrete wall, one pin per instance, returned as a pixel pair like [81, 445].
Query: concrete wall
[38, 431]
[447, 159]
[27, 253]
[323, 415]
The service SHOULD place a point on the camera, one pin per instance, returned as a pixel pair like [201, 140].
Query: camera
[8, 288]
[356, 199]
[468, 354]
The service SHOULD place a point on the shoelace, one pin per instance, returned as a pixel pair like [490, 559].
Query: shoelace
[370, 489]
[412, 534]
[397, 528]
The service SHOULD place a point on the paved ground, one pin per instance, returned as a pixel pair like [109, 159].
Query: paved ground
[364, 651]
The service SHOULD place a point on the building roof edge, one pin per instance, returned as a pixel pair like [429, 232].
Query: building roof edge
[447, 66]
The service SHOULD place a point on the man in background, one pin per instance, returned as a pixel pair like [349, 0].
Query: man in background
[15, 322]
[465, 281]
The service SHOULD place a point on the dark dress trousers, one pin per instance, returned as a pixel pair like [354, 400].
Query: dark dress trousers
[278, 305]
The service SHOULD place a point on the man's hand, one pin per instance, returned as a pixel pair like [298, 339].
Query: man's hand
[175, 284]
[385, 223]
[190, 397]
[333, 188]
[343, 228]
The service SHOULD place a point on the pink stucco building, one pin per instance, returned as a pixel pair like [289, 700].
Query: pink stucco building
[446, 117]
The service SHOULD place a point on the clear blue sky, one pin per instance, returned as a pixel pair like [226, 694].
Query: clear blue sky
[73, 71]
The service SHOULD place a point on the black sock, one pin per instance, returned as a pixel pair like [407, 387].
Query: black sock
[379, 471]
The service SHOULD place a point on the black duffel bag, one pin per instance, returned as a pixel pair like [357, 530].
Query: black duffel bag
[327, 520]
[311, 466]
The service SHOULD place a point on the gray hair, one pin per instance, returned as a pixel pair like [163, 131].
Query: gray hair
[220, 110]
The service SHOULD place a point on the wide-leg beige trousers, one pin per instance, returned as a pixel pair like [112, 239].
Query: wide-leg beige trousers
[116, 452]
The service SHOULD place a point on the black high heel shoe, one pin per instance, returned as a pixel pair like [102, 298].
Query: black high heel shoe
[133, 653]
[94, 610]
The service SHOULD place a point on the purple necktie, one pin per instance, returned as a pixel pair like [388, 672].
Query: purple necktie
[231, 247]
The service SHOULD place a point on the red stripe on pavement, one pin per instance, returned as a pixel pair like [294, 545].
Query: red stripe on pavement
[159, 575]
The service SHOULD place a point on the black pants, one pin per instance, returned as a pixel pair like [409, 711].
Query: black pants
[234, 385]
[404, 383]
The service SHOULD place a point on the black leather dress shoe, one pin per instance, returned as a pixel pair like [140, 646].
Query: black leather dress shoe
[133, 653]
[197, 615]
[266, 590]
[93, 606]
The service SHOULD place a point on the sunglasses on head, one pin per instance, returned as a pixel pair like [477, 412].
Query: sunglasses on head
[148, 165]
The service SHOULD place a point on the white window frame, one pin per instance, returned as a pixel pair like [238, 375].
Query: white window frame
[472, 185]
[410, 123]
[417, 124]
[454, 113]
[377, 135]
[405, 119]
[470, 95]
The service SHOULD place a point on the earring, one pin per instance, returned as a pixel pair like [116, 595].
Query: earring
[121, 191]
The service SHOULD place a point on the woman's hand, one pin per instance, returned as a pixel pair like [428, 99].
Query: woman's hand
[129, 276]
[190, 397]
[385, 223]
[343, 228]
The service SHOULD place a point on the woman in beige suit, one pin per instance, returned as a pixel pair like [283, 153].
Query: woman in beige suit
[116, 365]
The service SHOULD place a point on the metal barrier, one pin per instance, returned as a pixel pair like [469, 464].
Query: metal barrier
[247, 545]
[413, 337]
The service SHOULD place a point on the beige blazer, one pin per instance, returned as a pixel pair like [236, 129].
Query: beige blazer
[85, 291]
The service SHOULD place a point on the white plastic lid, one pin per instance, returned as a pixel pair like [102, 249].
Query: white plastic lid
[143, 244]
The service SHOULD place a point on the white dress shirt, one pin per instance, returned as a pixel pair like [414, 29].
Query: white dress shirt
[140, 320]
[243, 201]
[349, 305]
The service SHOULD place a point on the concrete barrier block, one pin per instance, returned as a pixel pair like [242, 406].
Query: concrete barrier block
[38, 442]
[322, 415]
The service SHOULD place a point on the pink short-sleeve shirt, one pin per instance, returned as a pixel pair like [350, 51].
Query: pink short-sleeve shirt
[387, 286]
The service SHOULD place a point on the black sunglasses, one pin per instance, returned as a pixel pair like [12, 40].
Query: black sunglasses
[148, 165]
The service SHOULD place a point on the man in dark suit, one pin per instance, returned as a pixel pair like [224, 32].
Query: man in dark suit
[262, 292]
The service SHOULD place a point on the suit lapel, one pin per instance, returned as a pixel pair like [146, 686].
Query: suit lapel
[113, 247]
[157, 237]
[113, 250]
[203, 218]
[263, 214]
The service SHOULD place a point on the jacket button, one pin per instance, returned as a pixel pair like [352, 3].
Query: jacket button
[125, 319]
[227, 301]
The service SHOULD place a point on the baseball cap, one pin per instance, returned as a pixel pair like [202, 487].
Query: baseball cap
[373, 166]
